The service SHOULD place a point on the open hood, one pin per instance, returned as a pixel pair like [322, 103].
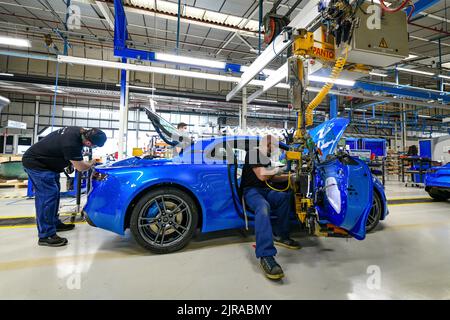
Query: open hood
[327, 135]
[166, 130]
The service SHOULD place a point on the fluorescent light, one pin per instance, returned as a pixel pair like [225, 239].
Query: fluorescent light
[86, 110]
[443, 77]
[266, 100]
[6, 74]
[341, 82]
[137, 87]
[423, 116]
[188, 60]
[446, 65]
[415, 71]
[16, 42]
[411, 56]
[266, 72]
[159, 70]
[378, 74]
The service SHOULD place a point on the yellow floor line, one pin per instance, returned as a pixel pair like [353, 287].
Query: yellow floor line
[23, 217]
[410, 198]
[33, 225]
[408, 204]
[74, 259]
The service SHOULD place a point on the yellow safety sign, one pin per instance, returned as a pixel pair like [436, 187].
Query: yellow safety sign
[383, 43]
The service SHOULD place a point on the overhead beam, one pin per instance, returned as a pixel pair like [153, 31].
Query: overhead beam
[159, 70]
[271, 81]
[302, 20]
[421, 6]
[104, 9]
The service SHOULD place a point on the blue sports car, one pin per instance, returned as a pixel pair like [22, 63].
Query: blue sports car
[437, 182]
[163, 202]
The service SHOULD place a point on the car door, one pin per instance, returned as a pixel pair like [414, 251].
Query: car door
[343, 185]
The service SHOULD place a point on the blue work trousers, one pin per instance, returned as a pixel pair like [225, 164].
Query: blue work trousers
[266, 203]
[46, 196]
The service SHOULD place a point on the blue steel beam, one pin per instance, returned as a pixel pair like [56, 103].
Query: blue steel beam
[121, 37]
[121, 50]
[334, 101]
[424, 95]
[420, 6]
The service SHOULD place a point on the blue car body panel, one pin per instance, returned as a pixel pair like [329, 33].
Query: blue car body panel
[211, 184]
[355, 185]
[327, 135]
[438, 177]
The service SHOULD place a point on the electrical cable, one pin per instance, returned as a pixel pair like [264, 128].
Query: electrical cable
[393, 10]
[281, 190]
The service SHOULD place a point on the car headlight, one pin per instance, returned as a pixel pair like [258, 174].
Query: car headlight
[333, 193]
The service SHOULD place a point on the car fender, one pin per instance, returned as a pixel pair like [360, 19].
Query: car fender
[154, 184]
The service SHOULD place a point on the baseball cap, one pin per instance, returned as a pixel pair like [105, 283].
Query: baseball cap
[97, 137]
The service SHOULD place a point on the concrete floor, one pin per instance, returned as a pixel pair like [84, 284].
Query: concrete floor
[405, 258]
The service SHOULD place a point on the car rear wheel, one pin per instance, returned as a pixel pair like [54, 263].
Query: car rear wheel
[375, 213]
[438, 195]
[164, 220]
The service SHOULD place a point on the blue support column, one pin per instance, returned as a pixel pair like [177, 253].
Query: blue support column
[334, 102]
[123, 112]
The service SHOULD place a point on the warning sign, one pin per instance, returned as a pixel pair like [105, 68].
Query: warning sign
[383, 44]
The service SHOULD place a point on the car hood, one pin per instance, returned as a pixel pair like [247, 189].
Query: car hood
[327, 135]
[134, 162]
[442, 169]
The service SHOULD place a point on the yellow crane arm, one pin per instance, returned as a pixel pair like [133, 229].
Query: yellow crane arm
[337, 69]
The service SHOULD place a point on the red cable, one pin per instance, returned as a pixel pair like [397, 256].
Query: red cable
[386, 8]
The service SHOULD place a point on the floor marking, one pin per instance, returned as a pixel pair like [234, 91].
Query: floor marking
[66, 214]
[74, 259]
[13, 197]
[409, 204]
[33, 225]
[409, 198]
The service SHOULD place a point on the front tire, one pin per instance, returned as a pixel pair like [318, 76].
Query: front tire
[375, 213]
[164, 220]
[438, 195]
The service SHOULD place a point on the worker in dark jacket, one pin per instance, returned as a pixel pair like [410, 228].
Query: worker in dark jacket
[43, 162]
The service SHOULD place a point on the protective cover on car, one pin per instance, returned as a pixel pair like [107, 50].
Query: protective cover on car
[327, 135]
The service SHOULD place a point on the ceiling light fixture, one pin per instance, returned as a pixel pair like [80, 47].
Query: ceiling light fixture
[159, 70]
[138, 87]
[16, 42]
[86, 110]
[378, 74]
[266, 100]
[188, 60]
[416, 71]
[411, 56]
[341, 82]
[6, 74]
[443, 77]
